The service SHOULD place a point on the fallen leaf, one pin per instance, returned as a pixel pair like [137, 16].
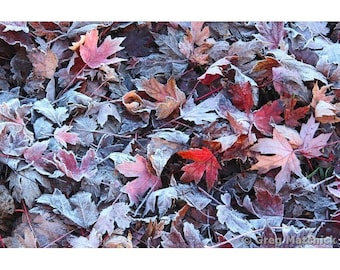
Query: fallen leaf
[191, 237]
[214, 71]
[67, 163]
[145, 179]
[291, 114]
[200, 113]
[95, 56]
[58, 115]
[325, 111]
[44, 63]
[63, 136]
[168, 97]
[281, 154]
[272, 33]
[204, 161]
[79, 208]
[266, 115]
[111, 216]
[25, 185]
[242, 96]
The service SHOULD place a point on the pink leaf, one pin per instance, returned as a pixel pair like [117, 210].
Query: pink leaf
[67, 163]
[95, 56]
[63, 136]
[145, 179]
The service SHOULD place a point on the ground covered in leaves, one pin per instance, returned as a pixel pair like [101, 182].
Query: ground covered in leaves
[169, 134]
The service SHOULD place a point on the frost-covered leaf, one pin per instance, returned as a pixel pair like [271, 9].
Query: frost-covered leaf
[192, 196]
[115, 215]
[272, 33]
[82, 125]
[93, 240]
[191, 237]
[25, 185]
[168, 97]
[281, 155]
[234, 220]
[201, 113]
[144, 181]
[44, 63]
[67, 163]
[102, 110]
[43, 128]
[79, 208]
[162, 198]
[95, 56]
[64, 136]
[58, 115]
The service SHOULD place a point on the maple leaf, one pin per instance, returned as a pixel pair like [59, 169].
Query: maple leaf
[268, 113]
[281, 155]
[196, 36]
[311, 146]
[116, 213]
[284, 146]
[58, 115]
[214, 71]
[25, 185]
[204, 161]
[272, 33]
[79, 208]
[12, 111]
[266, 205]
[145, 179]
[67, 163]
[169, 97]
[95, 56]
[63, 136]
[191, 237]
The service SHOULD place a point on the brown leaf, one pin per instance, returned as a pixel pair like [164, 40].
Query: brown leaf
[168, 97]
[44, 63]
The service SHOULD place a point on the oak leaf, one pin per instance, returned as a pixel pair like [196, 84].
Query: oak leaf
[204, 161]
[95, 56]
[145, 179]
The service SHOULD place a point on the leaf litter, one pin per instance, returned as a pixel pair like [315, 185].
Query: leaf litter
[169, 134]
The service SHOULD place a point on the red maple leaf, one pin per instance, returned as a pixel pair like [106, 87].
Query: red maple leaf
[145, 179]
[95, 56]
[204, 161]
